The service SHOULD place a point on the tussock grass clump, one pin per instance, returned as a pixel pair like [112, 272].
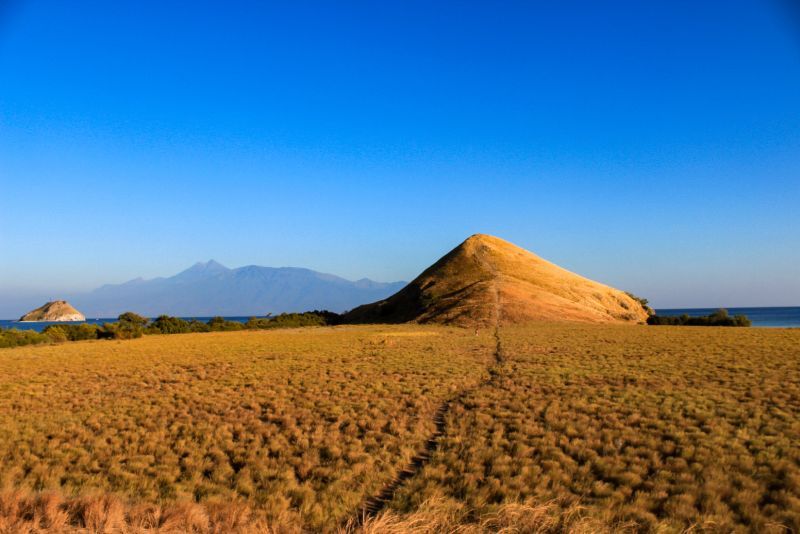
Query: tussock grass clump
[52, 512]
[442, 515]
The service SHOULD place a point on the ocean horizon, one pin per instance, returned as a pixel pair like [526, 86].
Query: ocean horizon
[761, 317]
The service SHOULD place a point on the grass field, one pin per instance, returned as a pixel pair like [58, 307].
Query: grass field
[582, 428]
[660, 429]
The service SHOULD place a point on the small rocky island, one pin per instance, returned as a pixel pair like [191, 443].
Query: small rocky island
[56, 311]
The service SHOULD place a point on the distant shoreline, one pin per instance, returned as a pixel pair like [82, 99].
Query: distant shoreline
[54, 321]
[761, 317]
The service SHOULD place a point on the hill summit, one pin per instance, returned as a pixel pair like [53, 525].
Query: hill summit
[486, 280]
[58, 310]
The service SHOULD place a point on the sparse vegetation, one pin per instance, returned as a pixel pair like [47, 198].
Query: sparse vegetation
[643, 302]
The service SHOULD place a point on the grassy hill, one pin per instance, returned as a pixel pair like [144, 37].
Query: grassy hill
[484, 274]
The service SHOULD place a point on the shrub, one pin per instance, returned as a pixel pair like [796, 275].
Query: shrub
[717, 318]
[198, 326]
[219, 324]
[294, 320]
[120, 330]
[164, 324]
[13, 337]
[73, 332]
[133, 319]
[132, 325]
[56, 334]
[644, 303]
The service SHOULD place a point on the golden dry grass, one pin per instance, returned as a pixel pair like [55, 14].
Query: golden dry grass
[301, 423]
[585, 428]
[49, 512]
[665, 428]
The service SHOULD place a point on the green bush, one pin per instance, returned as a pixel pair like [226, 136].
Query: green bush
[56, 334]
[73, 332]
[120, 330]
[131, 325]
[198, 326]
[164, 324]
[294, 320]
[643, 302]
[133, 319]
[219, 324]
[13, 337]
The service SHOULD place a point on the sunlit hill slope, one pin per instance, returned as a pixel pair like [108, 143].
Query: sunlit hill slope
[484, 275]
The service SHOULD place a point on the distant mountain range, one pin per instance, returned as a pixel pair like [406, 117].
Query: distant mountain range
[208, 289]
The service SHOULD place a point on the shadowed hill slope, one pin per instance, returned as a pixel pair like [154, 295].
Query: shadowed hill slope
[468, 285]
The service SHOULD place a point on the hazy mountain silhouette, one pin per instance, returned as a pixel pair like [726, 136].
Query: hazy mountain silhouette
[210, 288]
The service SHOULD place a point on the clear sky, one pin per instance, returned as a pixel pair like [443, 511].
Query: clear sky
[654, 146]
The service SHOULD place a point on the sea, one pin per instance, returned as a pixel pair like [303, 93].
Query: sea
[41, 326]
[782, 317]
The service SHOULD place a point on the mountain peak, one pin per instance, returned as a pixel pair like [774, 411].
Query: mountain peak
[201, 270]
[487, 280]
[210, 265]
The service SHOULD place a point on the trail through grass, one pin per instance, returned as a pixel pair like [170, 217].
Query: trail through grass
[301, 423]
[376, 503]
[662, 429]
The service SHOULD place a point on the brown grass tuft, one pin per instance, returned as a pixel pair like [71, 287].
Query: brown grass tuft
[443, 516]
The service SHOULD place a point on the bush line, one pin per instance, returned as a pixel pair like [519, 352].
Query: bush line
[130, 325]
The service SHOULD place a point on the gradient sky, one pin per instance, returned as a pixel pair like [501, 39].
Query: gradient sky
[653, 146]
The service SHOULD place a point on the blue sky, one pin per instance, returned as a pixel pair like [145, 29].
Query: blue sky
[654, 146]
